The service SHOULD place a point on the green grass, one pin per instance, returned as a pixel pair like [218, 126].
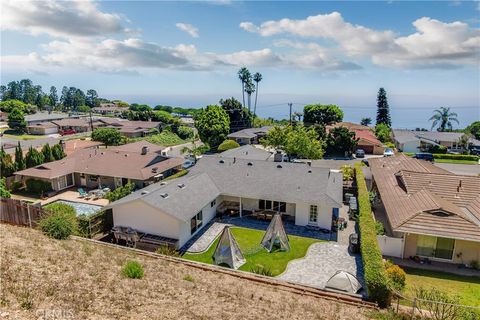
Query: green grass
[456, 161]
[12, 134]
[467, 288]
[249, 242]
[165, 138]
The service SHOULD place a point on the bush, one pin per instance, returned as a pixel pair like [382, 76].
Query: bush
[133, 269]
[168, 251]
[120, 192]
[109, 136]
[3, 189]
[379, 229]
[16, 185]
[227, 145]
[38, 186]
[185, 132]
[390, 145]
[437, 149]
[61, 222]
[347, 171]
[398, 277]
[261, 270]
[375, 275]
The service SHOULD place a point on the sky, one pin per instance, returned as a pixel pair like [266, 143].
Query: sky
[425, 54]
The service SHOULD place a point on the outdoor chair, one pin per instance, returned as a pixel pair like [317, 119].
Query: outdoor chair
[82, 193]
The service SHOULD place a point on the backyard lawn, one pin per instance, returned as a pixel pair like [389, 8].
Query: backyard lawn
[249, 242]
[467, 288]
[11, 134]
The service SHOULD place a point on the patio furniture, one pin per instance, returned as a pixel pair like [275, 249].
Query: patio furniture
[82, 193]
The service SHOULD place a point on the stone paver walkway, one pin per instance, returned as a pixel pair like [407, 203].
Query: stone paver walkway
[322, 261]
[207, 238]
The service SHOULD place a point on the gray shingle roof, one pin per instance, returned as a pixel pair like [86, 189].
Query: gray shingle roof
[247, 152]
[250, 132]
[292, 182]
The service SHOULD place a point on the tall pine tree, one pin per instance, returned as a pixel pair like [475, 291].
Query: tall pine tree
[20, 163]
[47, 153]
[383, 111]
[33, 157]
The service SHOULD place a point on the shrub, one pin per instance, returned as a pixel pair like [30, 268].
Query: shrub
[133, 269]
[16, 185]
[456, 157]
[397, 276]
[347, 171]
[436, 304]
[437, 149]
[120, 192]
[227, 145]
[61, 222]
[109, 136]
[475, 265]
[3, 189]
[38, 186]
[168, 251]
[390, 145]
[375, 276]
[185, 132]
[261, 270]
[379, 229]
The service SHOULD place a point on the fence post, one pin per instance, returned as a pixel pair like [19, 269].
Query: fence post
[29, 216]
[414, 304]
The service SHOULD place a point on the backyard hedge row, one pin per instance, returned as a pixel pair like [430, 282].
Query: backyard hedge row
[468, 157]
[376, 278]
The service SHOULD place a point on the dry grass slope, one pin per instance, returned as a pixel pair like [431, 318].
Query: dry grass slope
[40, 273]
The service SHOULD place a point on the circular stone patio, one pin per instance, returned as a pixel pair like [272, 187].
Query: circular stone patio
[323, 260]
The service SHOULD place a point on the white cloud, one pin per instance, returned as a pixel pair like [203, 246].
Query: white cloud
[188, 28]
[434, 44]
[77, 18]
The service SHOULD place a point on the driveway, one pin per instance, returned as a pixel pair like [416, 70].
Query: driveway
[464, 169]
[322, 261]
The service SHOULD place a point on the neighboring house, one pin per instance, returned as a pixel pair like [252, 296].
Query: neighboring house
[366, 137]
[132, 129]
[42, 128]
[416, 141]
[109, 108]
[179, 208]
[247, 152]
[73, 145]
[435, 213]
[141, 163]
[250, 135]
[40, 117]
[187, 121]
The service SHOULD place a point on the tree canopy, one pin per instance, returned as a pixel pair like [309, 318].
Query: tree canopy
[443, 118]
[382, 132]
[341, 141]
[474, 129]
[33, 157]
[323, 114]
[213, 125]
[383, 110]
[16, 120]
[227, 145]
[366, 121]
[238, 115]
[109, 136]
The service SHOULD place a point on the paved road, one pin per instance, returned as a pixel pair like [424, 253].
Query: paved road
[465, 169]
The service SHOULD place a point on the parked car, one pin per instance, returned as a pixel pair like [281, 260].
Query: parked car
[388, 152]
[67, 132]
[475, 151]
[188, 164]
[424, 156]
[360, 153]
[354, 243]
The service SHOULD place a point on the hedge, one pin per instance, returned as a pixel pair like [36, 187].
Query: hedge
[376, 278]
[468, 157]
[227, 145]
[38, 186]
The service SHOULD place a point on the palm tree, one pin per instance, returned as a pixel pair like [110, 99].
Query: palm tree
[443, 118]
[257, 77]
[249, 89]
[244, 75]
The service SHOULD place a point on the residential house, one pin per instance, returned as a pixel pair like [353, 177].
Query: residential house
[132, 129]
[42, 128]
[40, 117]
[250, 135]
[109, 108]
[141, 163]
[365, 135]
[179, 208]
[417, 141]
[434, 213]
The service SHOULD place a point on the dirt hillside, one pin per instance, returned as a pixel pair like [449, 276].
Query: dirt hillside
[74, 279]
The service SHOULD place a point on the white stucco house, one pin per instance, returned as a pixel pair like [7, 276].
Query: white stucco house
[179, 208]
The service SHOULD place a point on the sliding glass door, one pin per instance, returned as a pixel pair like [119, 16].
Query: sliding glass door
[435, 247]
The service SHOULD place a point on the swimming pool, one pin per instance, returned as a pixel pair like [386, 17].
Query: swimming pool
[81, 208]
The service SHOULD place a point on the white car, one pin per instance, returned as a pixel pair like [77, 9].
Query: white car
[188, 164]
[388, 152]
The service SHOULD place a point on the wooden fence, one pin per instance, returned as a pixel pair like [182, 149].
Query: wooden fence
[19, 212]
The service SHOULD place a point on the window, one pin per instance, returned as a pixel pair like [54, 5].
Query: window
[313, 214]
[261, 204]
[435, 247]
[268, 205]
[196, 222]
[283, 207]
[213, 203]
[272, 205]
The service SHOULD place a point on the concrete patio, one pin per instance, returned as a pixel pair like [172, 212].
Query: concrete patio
[73, 195]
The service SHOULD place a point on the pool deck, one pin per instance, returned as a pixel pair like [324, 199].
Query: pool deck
[71, 195]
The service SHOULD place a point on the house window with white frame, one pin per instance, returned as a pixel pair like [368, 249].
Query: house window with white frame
[313, 214]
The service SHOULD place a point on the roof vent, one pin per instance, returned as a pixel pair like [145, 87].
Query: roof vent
[279, 166]
[221, 161]
[164, 195]
[309, 171]
[144, 150]
[249, 164]
[163, 183]
[154, 170]
[145, 192]
[181, 185]
[126, 155]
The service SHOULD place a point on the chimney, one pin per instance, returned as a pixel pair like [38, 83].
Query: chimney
[277, 157]
[144, 150]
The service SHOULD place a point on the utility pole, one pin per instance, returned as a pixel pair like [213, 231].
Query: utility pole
[290, 105]
[91, 122]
